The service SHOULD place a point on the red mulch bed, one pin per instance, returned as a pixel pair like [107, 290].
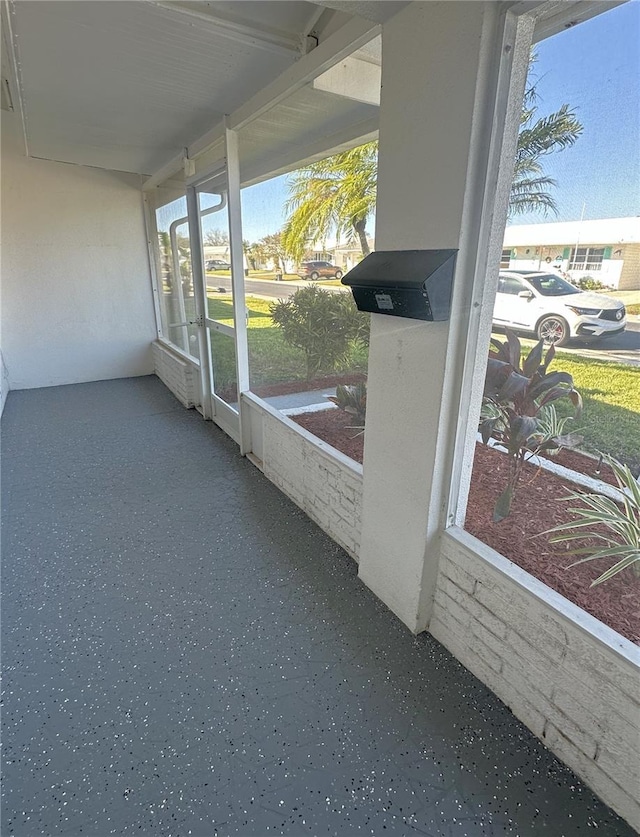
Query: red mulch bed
[333, 426]
[534, 510]
[328, 382]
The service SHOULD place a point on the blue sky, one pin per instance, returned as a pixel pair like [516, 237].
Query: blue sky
[594, 68]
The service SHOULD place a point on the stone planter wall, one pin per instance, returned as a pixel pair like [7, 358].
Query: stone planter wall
[323, 482]
[176, 373]
[572, 680]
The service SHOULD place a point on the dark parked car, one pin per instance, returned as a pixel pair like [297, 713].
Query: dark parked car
[217, 264]
[316, 270]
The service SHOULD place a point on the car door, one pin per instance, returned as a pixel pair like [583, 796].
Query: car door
[511, 309]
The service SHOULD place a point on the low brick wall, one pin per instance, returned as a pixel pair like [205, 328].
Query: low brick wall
[176, 374]
[322, 481]
[574, 682]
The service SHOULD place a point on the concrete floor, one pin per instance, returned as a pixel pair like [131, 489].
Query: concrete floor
[185, 653]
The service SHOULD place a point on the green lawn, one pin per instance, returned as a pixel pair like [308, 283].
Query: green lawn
[610, 421]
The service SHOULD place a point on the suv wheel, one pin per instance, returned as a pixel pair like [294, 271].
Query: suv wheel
[554, 330]
[338, 274]
[315, 275]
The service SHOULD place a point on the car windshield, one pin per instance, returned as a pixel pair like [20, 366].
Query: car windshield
[549, 284]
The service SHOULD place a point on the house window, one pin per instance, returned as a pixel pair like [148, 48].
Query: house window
[586, 258]
[505, 259]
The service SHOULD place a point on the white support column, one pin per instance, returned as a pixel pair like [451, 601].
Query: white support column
[153, 250]
[237, 283]
[439, 84]
[200, 297]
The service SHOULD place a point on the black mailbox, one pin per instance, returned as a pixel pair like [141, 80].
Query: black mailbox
[404, 283]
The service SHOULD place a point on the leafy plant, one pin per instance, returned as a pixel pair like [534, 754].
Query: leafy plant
[353, 400]
[515, 400]
[321, 323]
[552, 426]
[622, 542]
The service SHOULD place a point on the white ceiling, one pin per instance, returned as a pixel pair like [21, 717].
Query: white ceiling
[127, 85]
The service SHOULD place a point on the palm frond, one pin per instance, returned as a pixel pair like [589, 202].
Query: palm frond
[330, 197]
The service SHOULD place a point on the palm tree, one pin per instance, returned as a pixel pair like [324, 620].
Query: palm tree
[530, 187]
[337, 195]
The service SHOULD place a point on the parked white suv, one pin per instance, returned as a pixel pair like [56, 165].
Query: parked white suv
[554, 309]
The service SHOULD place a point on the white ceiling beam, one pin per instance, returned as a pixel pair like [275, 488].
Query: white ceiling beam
[352, 79]
[342, 43]
[313, 18]
[305, 153]
[273, 41]
[350, 37]
[553, 16]
[354, 34]
[171, 167]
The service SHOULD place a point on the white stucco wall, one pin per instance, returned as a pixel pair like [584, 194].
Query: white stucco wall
[76, 292]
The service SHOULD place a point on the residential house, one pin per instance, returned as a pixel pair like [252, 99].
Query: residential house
[607, 250]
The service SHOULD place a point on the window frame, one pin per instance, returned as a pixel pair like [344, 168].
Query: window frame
[593, 258]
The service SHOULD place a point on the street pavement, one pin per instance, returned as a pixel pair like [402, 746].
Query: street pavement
[623, 348]
[265, 287]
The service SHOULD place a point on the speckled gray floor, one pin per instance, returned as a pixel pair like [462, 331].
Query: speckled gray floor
[185, 653]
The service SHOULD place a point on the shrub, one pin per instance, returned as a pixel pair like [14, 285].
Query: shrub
[514, 412]
[321, 323]
[588, 283]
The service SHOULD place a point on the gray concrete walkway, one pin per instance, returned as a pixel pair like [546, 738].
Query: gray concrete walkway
[185, 653]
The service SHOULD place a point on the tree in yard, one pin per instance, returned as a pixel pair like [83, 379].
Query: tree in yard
[183, 253]
[250, 253]
[216, 238]
[183, 245]
[337, 195]
[272, 247]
